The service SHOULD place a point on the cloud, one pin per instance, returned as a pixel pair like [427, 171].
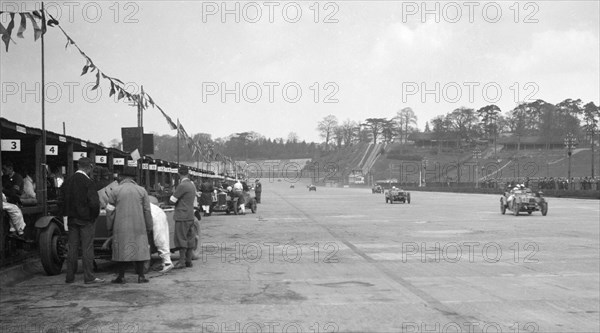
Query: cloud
[561, 52]
[400, 43]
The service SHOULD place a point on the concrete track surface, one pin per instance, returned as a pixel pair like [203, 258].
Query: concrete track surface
[342, 260]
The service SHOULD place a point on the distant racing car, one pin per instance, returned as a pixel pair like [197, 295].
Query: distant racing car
[521, 199]
[396, 194]
[312, 187]
[377, 189]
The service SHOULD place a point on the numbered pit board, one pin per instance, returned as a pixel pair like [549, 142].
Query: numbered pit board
[11, 145]
[79, 154]
[52, 150]
[101, 159]
[119, 161]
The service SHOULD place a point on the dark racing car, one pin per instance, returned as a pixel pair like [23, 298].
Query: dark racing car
[396, 194]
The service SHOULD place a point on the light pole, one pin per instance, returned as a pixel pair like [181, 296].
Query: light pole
[477, 156]
[423, 167]
[570, 144]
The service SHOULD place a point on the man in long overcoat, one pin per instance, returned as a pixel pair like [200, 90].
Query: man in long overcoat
[129, 218]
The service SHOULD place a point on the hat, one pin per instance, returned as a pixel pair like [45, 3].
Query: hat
[183, 170]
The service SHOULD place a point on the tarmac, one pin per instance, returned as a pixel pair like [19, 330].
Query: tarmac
[342, 260]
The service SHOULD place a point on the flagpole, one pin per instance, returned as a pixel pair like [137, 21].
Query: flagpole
[178, 126]
[43, 169]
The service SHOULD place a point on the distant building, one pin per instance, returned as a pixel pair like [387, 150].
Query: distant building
[514, 142]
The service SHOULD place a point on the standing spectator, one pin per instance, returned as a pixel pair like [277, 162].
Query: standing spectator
[81, 207]
[185, 229]
[257, 190]
[129, 219]
[12, 183]
[206, 190]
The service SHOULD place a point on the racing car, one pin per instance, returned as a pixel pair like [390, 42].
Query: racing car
[312, 187]
[376, 189]
[523, 199]
[396, 194]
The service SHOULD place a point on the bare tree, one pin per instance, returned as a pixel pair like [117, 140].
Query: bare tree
[349, 129]
[326, 128]
[405, 120]
[293, 137]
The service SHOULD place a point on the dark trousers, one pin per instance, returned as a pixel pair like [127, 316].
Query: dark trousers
[257, 196]
[138, 265]
[83, 234]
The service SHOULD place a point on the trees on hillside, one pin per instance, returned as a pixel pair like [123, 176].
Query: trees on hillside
[375, 127]
[406, 122]
[326, 128]
[464, 124]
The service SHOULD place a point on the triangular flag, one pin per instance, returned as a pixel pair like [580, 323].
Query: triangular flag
[22, 26]
[6, 32]
[135, 155]
[37, 32]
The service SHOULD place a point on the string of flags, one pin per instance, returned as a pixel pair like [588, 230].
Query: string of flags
[206, 150]
[33, 16]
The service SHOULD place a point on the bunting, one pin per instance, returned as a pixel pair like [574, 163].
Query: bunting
[33, 16]
[39, 24]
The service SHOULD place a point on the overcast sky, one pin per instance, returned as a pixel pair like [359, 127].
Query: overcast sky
[367, 58]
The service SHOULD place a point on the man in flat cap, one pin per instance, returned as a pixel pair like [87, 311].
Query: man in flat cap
[80, 208]
[185, 229]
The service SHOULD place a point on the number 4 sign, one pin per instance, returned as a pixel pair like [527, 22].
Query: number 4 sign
[51, 150]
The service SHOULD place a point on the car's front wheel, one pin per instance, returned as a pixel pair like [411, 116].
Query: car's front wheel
[53, 249]
[544, 208]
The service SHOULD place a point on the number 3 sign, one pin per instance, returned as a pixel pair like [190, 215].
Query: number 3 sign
[11, 145]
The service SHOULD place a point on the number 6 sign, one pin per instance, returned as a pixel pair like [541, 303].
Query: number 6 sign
[100, 159]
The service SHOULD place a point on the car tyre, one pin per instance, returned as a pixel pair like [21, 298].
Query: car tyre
[53, 249]
[544, 209]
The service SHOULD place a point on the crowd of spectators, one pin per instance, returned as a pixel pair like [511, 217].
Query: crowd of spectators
[546, 183]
